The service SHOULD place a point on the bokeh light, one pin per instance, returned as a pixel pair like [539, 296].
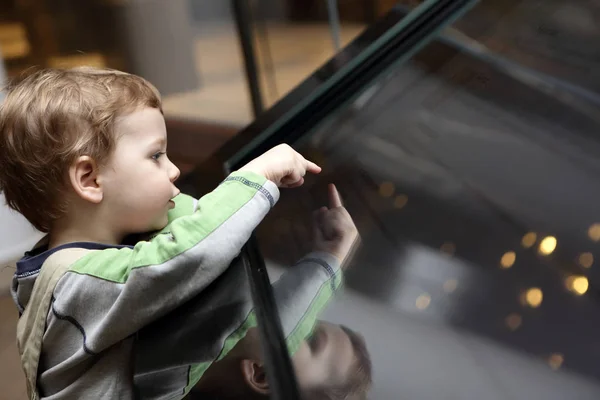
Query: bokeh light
[513, 321]
[594, 232]
[386, 189]
[548, 245]
[577, 284]
[448, 248]
[556, 360]
[400, 201]
[529, 240]
[586, 260]
[450, 285]
[533, 297]
[508, 259]
[423, 301]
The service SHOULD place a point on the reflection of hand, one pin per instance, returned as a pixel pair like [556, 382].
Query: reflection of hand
[334, 230]
[282, 165]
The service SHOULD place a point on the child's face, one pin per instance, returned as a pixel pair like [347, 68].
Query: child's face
[138, 179]
[327, 358]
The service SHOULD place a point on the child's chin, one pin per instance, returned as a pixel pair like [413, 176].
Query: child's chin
[164, 221]
[159, 225]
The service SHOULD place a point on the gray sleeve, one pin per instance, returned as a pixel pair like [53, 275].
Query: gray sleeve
[198, 331]
[113, 293]
[303, 292]
[203, 329]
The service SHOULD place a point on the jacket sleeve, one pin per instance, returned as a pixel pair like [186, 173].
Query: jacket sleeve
[302, 294]
[111, 294]
[207, 327]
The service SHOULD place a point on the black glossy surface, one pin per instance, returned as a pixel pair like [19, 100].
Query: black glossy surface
[445, 164]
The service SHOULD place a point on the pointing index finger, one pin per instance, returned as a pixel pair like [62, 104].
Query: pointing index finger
[312, 167]
[334, 197]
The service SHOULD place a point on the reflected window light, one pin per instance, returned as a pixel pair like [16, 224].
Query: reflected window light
[529, 239]
[513, 321]
[547, 245]
[594, 232]
[577, 284]
[508, 259]
[423, 301]
[533, 297]
[556, 360]
[450, 285]
[586, 260]
[400, 201]
[448, 248]
[386, 189]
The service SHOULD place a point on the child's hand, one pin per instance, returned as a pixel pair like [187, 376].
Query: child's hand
[334, 230]
[282, 165]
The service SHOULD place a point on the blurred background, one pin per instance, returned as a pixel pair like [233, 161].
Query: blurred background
[471, 169]
[188, 48]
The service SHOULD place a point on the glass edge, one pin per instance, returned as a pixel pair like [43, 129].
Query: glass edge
[343, 71]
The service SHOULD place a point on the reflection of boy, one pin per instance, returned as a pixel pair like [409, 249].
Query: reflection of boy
[83, 158]
[331, 361]
[332, 364]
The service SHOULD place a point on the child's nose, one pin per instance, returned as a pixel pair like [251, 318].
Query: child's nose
[174, 173]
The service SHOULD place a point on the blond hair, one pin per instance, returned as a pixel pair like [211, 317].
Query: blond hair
[51, 117]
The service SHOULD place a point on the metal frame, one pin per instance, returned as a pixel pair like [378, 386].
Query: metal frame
[244, 24]
[334, 24]
[280, 372]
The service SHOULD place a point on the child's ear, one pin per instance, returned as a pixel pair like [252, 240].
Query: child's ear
[255, 376]
[83, 174]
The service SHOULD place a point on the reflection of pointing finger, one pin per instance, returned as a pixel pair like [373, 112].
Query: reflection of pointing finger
[334, 197]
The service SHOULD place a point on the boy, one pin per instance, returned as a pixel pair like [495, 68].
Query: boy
[333, 364]
[91, 146]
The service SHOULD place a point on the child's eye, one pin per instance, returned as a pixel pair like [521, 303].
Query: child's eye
[156, 156]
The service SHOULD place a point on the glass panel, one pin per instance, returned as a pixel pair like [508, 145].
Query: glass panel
[472, 179]
[551, 37]
[295, 37]
[393, 39]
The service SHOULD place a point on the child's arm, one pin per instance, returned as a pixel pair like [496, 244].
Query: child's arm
[187, 340]
[301, 294]
[113, 293]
